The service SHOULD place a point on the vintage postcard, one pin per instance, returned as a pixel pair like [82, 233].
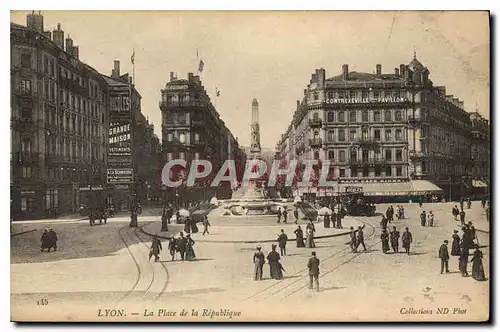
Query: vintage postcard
[230, 166]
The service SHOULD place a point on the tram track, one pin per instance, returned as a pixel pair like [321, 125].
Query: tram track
[132, 240]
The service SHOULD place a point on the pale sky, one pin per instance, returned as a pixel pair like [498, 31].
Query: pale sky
[271, 55]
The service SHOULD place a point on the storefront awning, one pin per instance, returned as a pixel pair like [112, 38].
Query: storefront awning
[387, 189]
[424, 186]
[479, 184]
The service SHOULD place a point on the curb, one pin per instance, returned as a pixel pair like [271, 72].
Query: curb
[20, 233]
[141, 229]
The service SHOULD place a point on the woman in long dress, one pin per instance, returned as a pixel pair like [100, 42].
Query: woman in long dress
[273, 258]
[455, 246]
[477, 265]
[463, 260]
[190, 255]
[299, 234]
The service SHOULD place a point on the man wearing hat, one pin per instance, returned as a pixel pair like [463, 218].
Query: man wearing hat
[444, 256]
[313, 266]
[258, 260]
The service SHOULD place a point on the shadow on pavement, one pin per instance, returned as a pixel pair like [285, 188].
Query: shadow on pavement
[326, 289]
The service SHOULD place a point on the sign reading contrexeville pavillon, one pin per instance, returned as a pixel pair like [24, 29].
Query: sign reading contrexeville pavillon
[120, 166]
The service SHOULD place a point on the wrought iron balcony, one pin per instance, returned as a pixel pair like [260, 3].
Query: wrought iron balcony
[197, 123]
[366, 142]
[315, 123]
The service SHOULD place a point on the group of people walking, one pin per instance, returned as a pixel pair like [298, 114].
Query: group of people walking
[393, 237]
[182, 245]
[309, 240]
[427, 219]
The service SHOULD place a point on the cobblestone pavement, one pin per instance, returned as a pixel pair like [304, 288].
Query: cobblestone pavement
[367, 286]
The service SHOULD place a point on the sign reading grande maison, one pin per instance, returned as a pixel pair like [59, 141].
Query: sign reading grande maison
[366, 100]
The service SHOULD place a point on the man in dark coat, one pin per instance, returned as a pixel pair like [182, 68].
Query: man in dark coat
[279, 215]
[444, 256]
[383, 223]
[395, 240]
[360, 239]
[285, 215]
[296, 215]
[282, 239]
[155, 248]
[258, 261]
[181, 245]
[461, 203]
[340, 215]
[172, 247]
[462, 217]
[455, 245]
[353, 240]
[423, 218]
[206, 223]
[313, 266]
[385, 241]
[52, 239]
[407, 239]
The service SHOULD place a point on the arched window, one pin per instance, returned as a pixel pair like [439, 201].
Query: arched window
[398, 115]
[376, 116]
[387, 115]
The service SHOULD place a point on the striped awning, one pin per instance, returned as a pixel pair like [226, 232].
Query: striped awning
[479, 184]
[387, 189]
[423, 187]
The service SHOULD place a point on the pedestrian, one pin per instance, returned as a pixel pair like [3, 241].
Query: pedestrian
[285, 215]
[444, 256]
[326, 220]
[455, 245]
[383, 223]
[181, 245]
[190, 255]
[52, 239]
[477, 265]
[455, 212]
[469, 203]
[45, 240]
[177, 217]
[353, 242]
[170, 214]
[340, 215]
[407, 239]
[402, 212]
[155, 248]
[462, 217]
[299, 237]
[333, 218]
[313, 266]
[282, 239]
[483, 202]
[164, 221]
[466, 238]
[461, 203]
[422, 218]
[296, 215]
[430, 219]
[462, 262]
[279, 215]
[385, 241]
[360, 239]
[273, 259]
[206, 223]
[310, 230]
[391, 209]
[388, 214]
[258, 260]
[172, 247]
[394, 240]
[420, 201]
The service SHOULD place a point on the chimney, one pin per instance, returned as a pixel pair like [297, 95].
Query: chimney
[396, 72]
[190, 77]
[76, 52]
[115, 73]
[402, 69]
[47, 34]
[58, 36]
[172, 76]
[35, 22]
[379, 70]
[406, 73]
[69, 45]
[455, 101]
[298, 104]
[449, 98]
[345, 72]
[321, 75]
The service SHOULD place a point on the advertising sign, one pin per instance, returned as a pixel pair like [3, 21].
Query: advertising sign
[120, 175]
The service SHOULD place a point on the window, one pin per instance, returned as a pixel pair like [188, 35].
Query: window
[354, 172]
[341, 94]
[330, 117]
[342, 156]
[352, 135]
[377, 155]
[25, 86]
[376, 116]
[196, 137]
[315, 95]
[364, 155]
[331, 155]
[354, 155]
[364, 135]
[316, 155]
[364, 116]
[376, 134]
[388, 155]
[377, 170]
[26, 172]
[45, 64]
[398, 115]
[388, 134]
[182, 138]
[352, 94]
[399, 171]
[182, 155]
[26, 113]
[330, 136]
[341, 135]
[399, 155]
[25, 204]
[364, 94]
[352, 116]
[375, 94]
[169, 156]
[366, 172]
[330, 95]
[341, 116]
[399, 135]
[387, 116]
[26, 60]
[342, 173]
[388, 171]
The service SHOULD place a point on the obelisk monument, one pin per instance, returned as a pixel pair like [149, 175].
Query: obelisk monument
[255, 148]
